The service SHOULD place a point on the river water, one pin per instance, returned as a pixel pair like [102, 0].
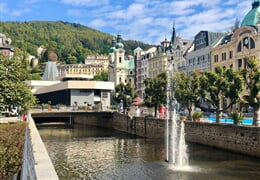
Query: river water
[87, 152]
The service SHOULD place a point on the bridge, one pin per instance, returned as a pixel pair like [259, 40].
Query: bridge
[67, 115]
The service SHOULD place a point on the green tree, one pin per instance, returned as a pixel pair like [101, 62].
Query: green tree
[156, 91]
[125, 93]
[14, 91]
[187, 90]
[220, 86]
[252, 79]
[64, 38]
[103, 76]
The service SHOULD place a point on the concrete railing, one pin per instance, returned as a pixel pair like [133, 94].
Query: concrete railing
[37, 163]
[28, 170]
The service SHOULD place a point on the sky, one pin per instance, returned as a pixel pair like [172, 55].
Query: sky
[148, 21]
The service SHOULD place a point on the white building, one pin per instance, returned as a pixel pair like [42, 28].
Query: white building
[121, 67]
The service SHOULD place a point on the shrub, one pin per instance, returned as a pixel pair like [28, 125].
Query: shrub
[197, 114]
[11, 148]
[237, 117]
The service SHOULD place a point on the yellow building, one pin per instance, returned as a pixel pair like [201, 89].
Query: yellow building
[88, 69]
[235, 48]
[98, 59]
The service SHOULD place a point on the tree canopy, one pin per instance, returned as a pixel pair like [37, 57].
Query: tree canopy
[14, 92]
[252, 79]
[125, 93]
[70, 41]
[220, 86]
[156, 91]
[187, 90]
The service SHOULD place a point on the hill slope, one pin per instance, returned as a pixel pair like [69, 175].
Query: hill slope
[70, 41]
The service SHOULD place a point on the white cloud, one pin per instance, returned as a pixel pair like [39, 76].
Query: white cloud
[149, 21]
[85, 2]
[19, 12]
[30, 1]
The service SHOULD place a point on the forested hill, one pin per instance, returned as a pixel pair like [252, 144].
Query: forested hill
[70, 41]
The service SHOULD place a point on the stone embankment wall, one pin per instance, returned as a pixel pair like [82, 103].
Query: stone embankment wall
[141, 126]
[241, 139]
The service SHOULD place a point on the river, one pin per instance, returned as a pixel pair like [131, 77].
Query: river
[92, 153]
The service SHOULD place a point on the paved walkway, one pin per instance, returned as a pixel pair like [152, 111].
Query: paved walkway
[9, 119]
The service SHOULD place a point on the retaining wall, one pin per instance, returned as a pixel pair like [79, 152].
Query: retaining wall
[241, 139]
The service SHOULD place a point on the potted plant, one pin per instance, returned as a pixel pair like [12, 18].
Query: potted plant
[183, 118]
[197, 115]
[237, 117]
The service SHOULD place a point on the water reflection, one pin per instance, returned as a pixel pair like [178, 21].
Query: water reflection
[86, 152]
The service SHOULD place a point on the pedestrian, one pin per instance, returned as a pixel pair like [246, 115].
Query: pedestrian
[24, 117]
[42, 105]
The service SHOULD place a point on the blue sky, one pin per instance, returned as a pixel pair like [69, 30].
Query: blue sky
[149, 21]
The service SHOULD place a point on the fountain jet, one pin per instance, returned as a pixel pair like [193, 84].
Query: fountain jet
[176, 148]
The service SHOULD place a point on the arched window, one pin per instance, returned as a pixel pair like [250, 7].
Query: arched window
[252, 43]
[239, 47]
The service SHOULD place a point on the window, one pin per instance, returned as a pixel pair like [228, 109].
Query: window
[239, 63]
[252, 43]
[215, 58]
[239, 47]
[223, 56]
[120, 59]
[230, 54]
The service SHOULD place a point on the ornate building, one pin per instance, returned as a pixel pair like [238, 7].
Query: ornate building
[121, 67]
[176, 51]
[150, 63]
[235, 48]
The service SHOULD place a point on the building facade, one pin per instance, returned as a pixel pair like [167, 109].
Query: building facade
[198, 56]
[235, 49]
[73, 89]
[121, 67]
[98, 60]
[88, 69]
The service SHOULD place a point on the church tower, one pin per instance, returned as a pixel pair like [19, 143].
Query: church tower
[117, 70]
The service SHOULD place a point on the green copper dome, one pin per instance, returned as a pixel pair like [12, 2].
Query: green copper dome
[252, 16]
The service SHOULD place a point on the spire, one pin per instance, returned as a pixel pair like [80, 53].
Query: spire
[173, 39]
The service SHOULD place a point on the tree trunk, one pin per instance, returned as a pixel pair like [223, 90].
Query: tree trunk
[256, 117]
[219, 112]
[155, 111]
[190, 114]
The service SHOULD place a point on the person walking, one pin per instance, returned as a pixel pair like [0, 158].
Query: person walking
[42, 105]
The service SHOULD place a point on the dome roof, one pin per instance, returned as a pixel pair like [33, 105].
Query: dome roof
[252, 16]
[112, 49]
[138, 49]
[119, 45]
